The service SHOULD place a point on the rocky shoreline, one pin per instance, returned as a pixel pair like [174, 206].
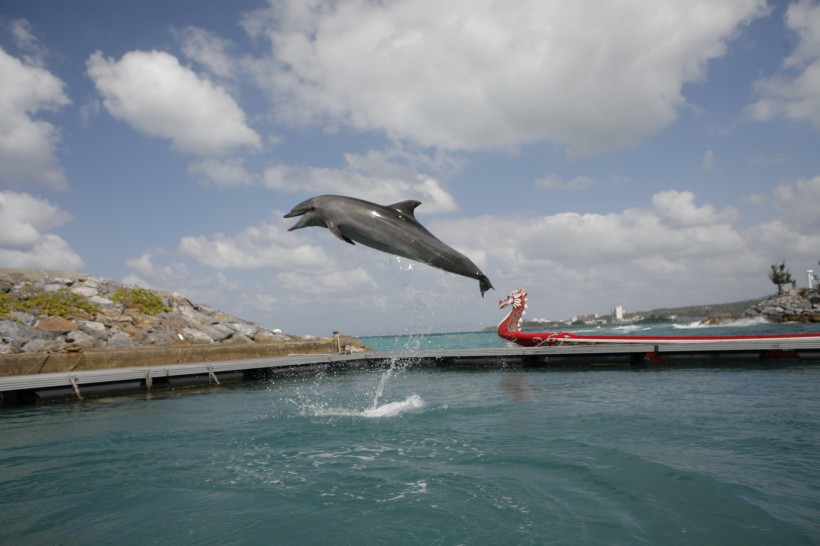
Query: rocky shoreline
[796, 305]
[63, 314]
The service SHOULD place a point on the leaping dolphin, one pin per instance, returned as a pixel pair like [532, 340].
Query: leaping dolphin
[392, 229]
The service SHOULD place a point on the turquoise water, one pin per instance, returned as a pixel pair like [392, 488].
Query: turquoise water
[426, 456]
[409, 343]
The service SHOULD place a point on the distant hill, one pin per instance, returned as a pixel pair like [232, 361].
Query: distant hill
[699, 311]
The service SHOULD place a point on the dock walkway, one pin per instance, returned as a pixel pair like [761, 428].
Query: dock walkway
[27, 389]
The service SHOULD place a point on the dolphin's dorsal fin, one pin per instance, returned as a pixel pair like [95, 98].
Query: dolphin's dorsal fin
[406, 207]
[334, 229]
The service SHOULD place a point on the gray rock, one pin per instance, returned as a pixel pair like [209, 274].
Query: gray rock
[101, 301]
[120, 340]
[84, 291]
[218, 332]
[23, 318]
[239, 338]
[35, 346]
[266, 336]
[194, 318]
[11, 329]
[195, 336]
[93, 328]
[163, 339]
[80, 339]
[245, 329]
[188, 322]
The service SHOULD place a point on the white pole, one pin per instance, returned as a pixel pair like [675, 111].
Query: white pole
[810, 275]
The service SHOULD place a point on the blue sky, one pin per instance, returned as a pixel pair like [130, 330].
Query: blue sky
[631, 153]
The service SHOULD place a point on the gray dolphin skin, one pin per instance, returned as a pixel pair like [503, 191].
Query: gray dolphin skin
[392, 229]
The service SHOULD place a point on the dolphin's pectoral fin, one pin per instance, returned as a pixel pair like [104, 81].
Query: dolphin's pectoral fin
[405, 207]
[334, 229]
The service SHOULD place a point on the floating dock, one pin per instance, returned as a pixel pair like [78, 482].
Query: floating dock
[30, 389]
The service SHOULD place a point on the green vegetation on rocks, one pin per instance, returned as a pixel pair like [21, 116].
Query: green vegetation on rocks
[140, 300]
[61, 303]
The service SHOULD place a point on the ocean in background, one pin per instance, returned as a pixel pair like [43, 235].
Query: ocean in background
[410, 455]
[489, 339]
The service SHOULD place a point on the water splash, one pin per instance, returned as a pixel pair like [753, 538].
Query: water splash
[392, 409]
[383, 382]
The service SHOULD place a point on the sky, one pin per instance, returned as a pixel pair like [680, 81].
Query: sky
[643, 154]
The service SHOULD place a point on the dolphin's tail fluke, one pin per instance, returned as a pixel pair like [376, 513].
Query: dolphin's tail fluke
[484, 284]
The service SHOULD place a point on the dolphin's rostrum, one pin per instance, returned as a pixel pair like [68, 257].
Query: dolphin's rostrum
[392, 229]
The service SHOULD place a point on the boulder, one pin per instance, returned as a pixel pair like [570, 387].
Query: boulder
[84, 291]
[119, 340]
[80, 339]
[55, 324]
[93, 328]
[195, 336]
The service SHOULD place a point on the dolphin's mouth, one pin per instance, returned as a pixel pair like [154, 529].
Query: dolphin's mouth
[298, 212]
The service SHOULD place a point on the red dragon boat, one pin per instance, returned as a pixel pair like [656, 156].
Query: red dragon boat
[510, 329]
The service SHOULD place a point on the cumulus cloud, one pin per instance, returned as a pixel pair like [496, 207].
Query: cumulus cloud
[337, 281]
[481, 74]
[794, 93]
[800, 201]
[154, 93]
[247, 299]
[27, 144]
[24, 241]
[267, 246]
[679, 209]
[635, 254]
[209, 50]
[376, 176]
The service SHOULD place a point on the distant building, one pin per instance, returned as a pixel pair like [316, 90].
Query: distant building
[590, 317]
[618, 312]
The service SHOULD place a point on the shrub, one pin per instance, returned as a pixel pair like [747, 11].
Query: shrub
[140, 300]
[7, 303]
[61, 303]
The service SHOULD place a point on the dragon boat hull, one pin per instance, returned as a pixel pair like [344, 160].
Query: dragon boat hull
[540, 339]
[509, 329]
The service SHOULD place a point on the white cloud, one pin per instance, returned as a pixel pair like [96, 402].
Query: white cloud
[556, 182]
[674, 249]
[708, 162]
[225, 173]
[679, 209]
[266, 246]
[800, 203]
[27, 41]
[381, 177]
[24, 219]
[327, 282]
[795, 93]
[27, 144]
[479, 74]
[152, 92]
[209, 50]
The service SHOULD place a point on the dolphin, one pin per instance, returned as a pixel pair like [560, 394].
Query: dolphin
[392, 229]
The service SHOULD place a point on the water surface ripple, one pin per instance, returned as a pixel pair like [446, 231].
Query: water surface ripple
[500, 456]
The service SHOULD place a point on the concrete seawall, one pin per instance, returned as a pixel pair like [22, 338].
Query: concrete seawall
[37, 363]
